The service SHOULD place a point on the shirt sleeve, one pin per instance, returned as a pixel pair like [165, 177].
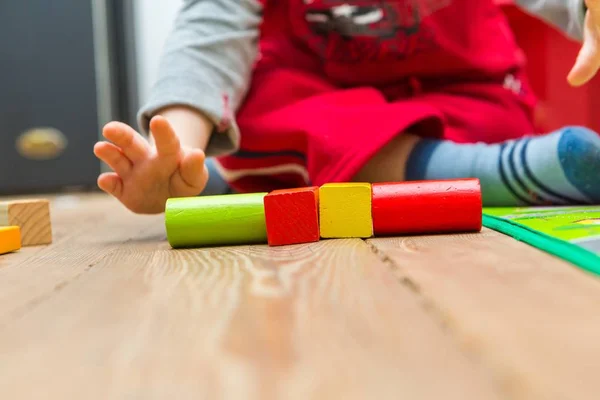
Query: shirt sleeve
[207, 64]
[566, 15]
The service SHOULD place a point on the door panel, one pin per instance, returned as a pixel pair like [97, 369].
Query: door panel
[48, 79]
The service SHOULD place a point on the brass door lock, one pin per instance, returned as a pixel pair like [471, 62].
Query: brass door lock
[41, 144]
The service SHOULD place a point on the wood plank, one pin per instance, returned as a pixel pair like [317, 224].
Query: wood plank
[86, 231]
[535, 319]
[69, 214]
[321, 321]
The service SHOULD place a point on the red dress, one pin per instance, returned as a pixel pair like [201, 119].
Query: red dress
[337, 80]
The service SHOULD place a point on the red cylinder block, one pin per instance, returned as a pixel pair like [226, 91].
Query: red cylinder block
[427, 207]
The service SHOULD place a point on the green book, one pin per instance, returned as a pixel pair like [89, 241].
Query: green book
[571, 233]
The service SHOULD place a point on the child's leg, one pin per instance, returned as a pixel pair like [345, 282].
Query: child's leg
[560, 168]
[487, 133]
[389, 164]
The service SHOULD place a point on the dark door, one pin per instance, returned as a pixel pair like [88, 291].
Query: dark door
[53, 93]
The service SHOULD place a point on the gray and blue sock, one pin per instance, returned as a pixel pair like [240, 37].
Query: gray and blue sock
[562, 167]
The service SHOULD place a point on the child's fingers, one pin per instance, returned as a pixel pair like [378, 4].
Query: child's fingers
[112, 155]
[166, 141]
[125, 137]
[192, 175]
[111, 183]
[588, 59]
[585, 67]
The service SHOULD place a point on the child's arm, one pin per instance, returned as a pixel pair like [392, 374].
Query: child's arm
[206, 66]
[204, 74]
[566, 15]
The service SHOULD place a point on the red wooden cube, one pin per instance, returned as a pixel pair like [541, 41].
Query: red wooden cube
[292, 216]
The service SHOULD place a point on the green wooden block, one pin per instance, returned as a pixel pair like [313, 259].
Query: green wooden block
[216, 220]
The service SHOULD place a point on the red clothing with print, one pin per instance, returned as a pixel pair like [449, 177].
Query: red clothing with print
[337, 80]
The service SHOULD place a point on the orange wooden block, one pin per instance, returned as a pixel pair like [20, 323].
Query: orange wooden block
[31, 216]
[10, 239]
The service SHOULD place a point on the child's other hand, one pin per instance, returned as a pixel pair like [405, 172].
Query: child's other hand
[588, 60]
[146, 175]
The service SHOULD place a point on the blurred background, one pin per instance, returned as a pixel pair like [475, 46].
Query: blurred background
[69, 66]
[66, 68]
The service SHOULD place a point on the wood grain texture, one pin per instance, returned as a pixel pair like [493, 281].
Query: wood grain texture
[32, 216]
[221, 220]
[292, 216]
[10, 239]
[533, 318]
[130, 318]
[86, 232]
[109, 310]
[69, 215]
[345, 210]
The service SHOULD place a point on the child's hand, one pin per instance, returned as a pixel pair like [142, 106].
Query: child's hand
[146, 175]
[588, 60]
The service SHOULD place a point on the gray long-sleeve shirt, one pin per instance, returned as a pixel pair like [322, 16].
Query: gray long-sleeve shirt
[209, 55]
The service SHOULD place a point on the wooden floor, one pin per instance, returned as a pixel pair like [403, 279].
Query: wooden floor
[109, 311]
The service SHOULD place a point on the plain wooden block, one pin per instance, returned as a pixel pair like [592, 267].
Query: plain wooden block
[345, 210]
[31, 216]
[292, 216]
[222, 220]
[10, 239]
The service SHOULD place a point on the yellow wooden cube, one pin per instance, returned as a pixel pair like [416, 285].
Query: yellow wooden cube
[10, 239]
[345, 210]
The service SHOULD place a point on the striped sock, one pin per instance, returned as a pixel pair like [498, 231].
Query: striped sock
[562, 167]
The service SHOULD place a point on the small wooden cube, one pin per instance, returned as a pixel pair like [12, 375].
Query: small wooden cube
[292, 216]
[31, 216]
[345, 210]
[10, 239]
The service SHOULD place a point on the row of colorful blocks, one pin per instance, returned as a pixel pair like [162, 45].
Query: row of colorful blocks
[335, 210]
